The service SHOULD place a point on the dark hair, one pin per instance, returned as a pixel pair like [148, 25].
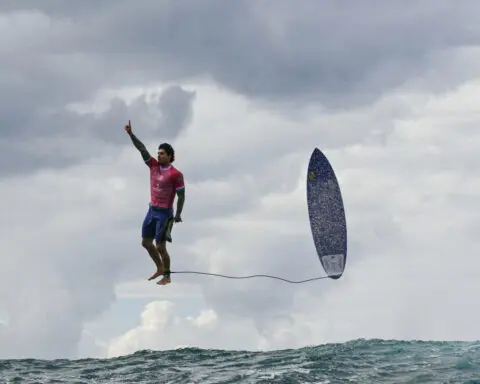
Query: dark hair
[169, 150]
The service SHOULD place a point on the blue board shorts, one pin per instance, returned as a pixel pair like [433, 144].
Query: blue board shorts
[158, 224]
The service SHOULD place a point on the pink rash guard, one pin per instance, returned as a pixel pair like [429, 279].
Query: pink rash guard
[164, 183]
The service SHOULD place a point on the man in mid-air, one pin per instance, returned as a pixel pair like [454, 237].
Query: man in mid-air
[165, 182]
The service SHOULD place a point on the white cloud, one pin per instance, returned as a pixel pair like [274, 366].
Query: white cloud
[161, 328]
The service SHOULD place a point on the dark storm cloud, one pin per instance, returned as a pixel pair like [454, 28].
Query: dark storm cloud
[49, 139]
[333, 53]
[273, 49]
[165, 117]
[175, 104]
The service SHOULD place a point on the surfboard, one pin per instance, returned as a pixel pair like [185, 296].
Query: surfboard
[327, 215]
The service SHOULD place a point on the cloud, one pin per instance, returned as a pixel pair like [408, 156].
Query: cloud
[159, 325]
[67, 137]
[340, 57]
[59, 55]
[175, 105]
[63, 274]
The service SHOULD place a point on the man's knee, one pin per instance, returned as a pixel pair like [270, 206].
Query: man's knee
[147, 243]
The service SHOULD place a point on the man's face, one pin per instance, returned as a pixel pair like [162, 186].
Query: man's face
[162, 156]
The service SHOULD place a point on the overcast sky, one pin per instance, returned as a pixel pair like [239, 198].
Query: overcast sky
[244, 91]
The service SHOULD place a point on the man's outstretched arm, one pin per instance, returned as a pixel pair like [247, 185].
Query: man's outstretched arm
[137, 143]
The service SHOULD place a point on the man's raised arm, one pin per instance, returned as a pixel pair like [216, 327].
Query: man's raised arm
[137, 143]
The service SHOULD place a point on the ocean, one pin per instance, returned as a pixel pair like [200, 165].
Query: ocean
[359, 361]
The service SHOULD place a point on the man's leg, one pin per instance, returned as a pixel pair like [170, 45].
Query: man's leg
[147, 243]
[162, 250]
[164, 235]
[148, 233]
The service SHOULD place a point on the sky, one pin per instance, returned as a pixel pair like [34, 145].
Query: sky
[244, 91]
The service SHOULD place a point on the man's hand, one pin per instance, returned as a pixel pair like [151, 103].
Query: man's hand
[177, 219]
[128, 128]
[137, 143]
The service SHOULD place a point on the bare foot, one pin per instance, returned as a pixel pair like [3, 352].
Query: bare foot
[165, 280]
[156, 274]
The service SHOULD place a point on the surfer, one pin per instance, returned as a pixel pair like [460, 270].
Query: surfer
[165, 182]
